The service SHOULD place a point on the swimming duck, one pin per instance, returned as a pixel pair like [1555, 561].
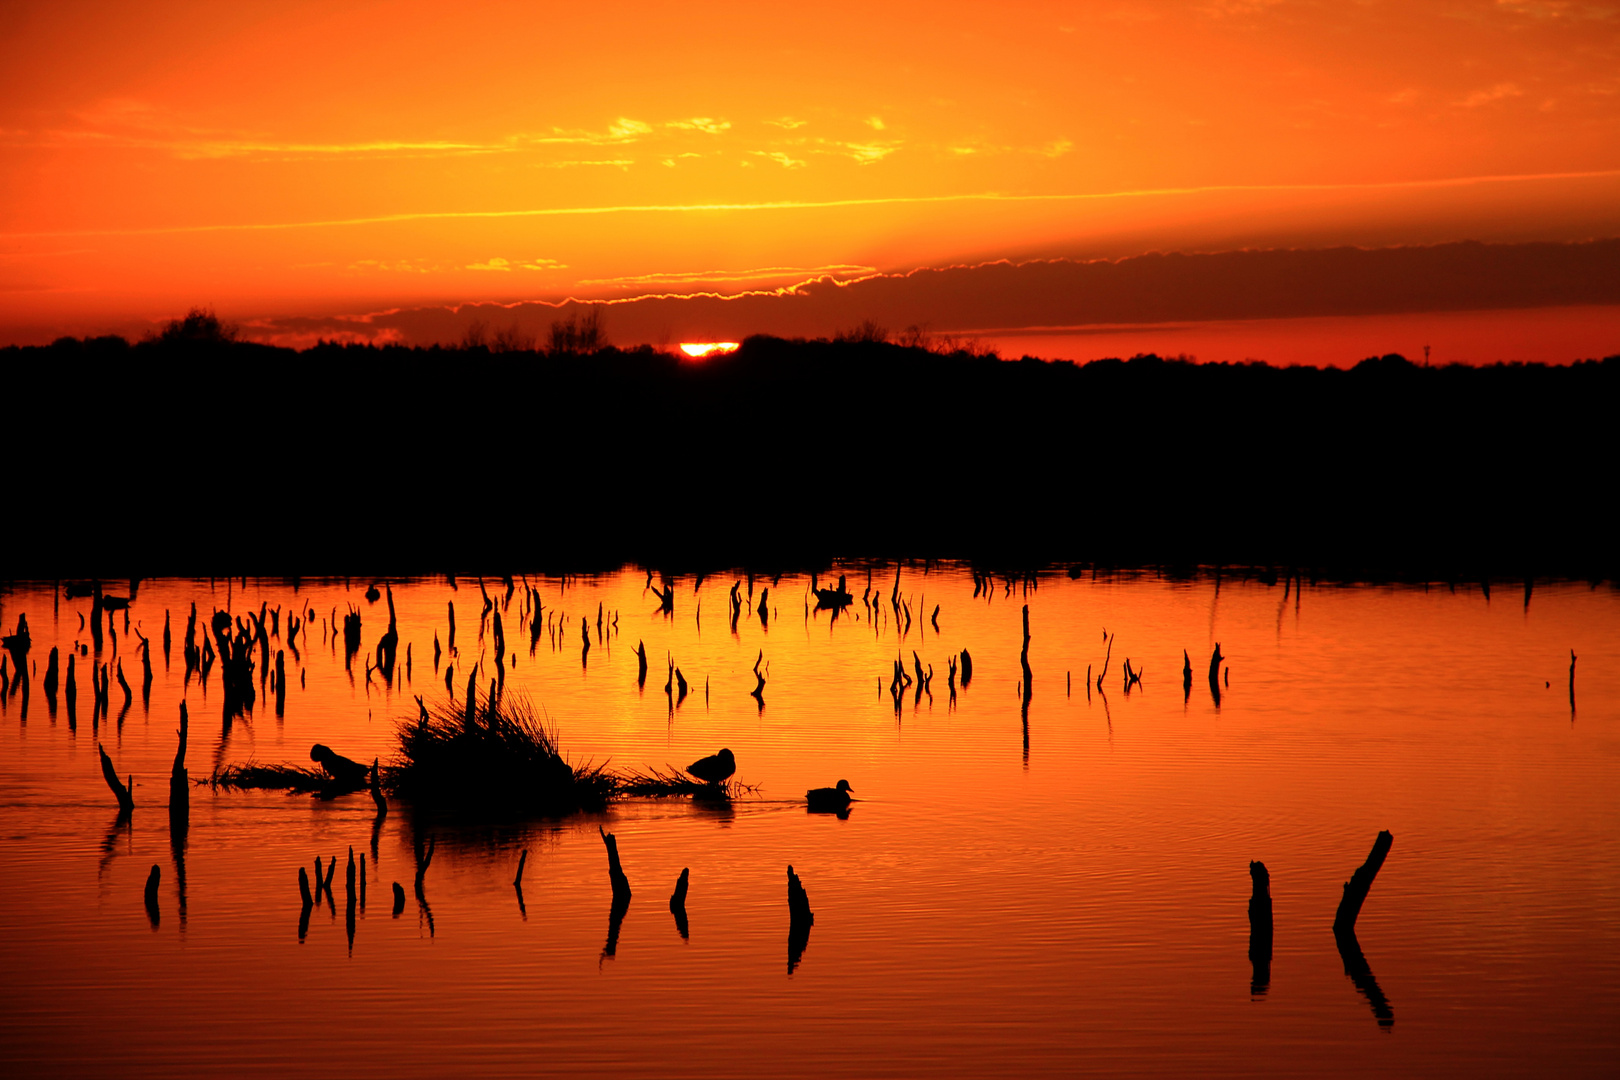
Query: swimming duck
[714, 769]
[829, 800]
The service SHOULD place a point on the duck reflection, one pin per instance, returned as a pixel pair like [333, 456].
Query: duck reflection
[1360, 972]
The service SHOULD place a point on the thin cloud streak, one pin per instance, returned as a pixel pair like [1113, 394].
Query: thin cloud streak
[759, 273]
[824, 204]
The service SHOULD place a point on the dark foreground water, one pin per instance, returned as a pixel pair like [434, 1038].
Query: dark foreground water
[1067, 895]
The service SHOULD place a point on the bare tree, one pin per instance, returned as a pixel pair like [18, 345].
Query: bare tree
[579, 335]
[511, 339]
[200, 326]
[867, 331]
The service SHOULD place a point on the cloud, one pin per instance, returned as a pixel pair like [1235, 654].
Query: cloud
[875, 123]
[1005, 296]
[1500, 92]
[717, 277]
[1229, 9]
[1557, 9]
[867, 153]
[622, 163]
[506, 265]
[766, 206]
[700, 123]
[787, 122]
[780, 158]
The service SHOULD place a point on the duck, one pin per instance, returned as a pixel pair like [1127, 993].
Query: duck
[714, 769]
[829, 800]
[345, 772]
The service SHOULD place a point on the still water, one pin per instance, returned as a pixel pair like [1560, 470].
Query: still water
[1007, 898]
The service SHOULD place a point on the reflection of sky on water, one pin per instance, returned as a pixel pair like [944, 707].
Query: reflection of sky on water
[977, 912]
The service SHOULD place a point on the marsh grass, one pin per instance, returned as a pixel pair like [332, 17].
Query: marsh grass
[663, 783]
[497, 755]
[293, 779]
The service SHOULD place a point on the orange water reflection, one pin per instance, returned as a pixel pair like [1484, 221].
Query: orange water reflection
[1079, 906]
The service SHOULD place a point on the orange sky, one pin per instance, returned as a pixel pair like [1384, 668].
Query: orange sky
[282, 159]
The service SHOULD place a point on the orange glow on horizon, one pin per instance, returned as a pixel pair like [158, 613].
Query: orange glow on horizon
[344, 159]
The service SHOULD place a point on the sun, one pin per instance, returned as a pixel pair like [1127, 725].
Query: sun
[698, 350]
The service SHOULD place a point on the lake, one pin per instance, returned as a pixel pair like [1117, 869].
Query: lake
[1028, 885]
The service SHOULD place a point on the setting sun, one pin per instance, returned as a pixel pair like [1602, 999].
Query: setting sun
[700, 349]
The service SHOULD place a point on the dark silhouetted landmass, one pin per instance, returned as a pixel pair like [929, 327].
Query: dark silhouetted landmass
[203, 455]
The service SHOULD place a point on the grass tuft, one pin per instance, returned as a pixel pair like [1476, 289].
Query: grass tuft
[658, 783]
[293, 779]
[494, 755]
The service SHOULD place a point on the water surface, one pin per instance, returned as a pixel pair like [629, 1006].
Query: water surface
[1058, 896]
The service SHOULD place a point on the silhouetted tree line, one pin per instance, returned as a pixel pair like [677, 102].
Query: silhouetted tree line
[195, 453]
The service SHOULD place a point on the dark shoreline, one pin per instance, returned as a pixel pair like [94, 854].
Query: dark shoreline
[221, 458]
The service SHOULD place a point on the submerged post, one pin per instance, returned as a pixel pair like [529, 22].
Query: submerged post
[152, 880]
[1260, 928]
[1572, 683]
[1355, 890]
[180, 783]
[799, 912]
[621, 884]
[677, 903]
[126, 800]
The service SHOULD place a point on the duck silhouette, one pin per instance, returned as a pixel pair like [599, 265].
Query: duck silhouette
[345, 772]
[829, 800]
[714, 769]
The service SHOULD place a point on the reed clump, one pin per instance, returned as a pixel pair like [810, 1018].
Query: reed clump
[492, 753]
[252, 776]
[656, 783]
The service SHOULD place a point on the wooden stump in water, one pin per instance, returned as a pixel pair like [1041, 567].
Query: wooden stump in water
[1260, 928]
[1355, 890]
[616, 876]
[399, 899]
[677, 903]
[798, 900]
[800, 920]
[152, 880]
[180, 783]
[678, 898]
[126, 801]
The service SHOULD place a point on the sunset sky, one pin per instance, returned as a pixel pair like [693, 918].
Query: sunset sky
[375, 170]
